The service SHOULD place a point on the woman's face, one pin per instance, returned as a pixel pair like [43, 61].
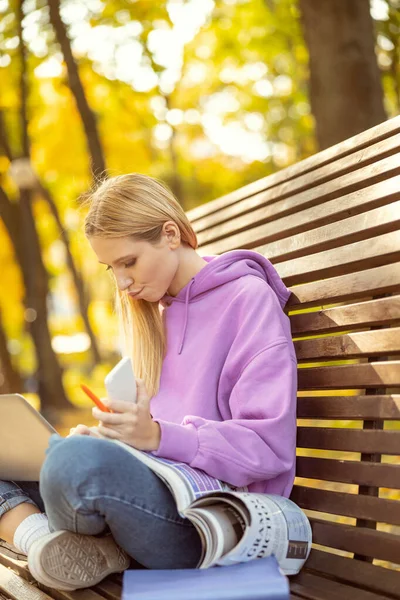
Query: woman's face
[139, 266]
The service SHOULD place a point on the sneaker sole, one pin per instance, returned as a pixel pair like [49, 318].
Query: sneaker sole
[69, 561]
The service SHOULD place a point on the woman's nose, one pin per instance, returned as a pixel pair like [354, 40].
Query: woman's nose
[124, 283]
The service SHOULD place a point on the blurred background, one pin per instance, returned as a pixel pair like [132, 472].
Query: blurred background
[207, 95]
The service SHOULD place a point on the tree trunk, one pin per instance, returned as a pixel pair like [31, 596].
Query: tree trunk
[393, 35]
[28, 250]
[49, 374]
[20, 226]
[10, 379]
[87, 115]
[345, 83]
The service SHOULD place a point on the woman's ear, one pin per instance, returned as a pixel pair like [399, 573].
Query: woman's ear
[172, 233]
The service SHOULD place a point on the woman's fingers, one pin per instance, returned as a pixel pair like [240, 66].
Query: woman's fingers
[109, 418]
[110, 433]
[79, 430]
[119, 406]
[94, 432]
[84, 430]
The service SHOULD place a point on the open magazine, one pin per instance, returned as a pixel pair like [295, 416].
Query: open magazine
[234, 525]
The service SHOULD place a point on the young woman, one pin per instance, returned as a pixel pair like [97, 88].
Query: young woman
[213, 353]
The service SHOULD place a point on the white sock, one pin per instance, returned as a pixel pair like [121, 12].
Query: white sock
[31, 528]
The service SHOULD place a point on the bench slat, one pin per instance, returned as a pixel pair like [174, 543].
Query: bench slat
[349, 440]
[371, 282]
[308, 593]
[109, 589]
[350, 345]
[319, 588]
[349, 407]
[17, 588]
[249, 230]
[372, 252]
[277, 202]
[374, 209]
[373, 577]
[19, 566]
[22, 572]
[346, 471]
[383, 311]
[349, 505]
[328, 156]
[357, 376]
[364, 541]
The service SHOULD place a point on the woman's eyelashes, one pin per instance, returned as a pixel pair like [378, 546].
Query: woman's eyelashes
[126, 265]
[130, 264]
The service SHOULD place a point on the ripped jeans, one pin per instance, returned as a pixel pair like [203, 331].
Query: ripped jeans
[91, 486]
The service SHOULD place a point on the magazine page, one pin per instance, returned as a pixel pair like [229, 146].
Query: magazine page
[222, 528]
[186, 484]
[274, 525]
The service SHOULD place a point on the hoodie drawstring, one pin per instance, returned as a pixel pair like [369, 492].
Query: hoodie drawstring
[186, 316]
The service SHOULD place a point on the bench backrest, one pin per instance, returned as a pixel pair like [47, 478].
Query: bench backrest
[330, 225]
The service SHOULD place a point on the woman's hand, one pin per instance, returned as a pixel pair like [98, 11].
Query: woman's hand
[84, 430]
[130, 423]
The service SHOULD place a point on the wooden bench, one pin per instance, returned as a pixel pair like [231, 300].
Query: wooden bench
[330, 225]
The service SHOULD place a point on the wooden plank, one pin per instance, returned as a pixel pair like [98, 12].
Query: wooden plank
[347, 471]
[349, 570]
[309, 231]
[353, 376]
[16, 588]
[118, 577]
[85, 593]
[286, 201]
[349, 407]
[349, 440]
[349, 505]
[382, 311]
[371, 282]
[109, 589]
[371, 252]
[21, 569]
[19, 566]
[368, 542]
[307, 593]
[329, 156]
[315, 587]
[249, 231]
[350, 345]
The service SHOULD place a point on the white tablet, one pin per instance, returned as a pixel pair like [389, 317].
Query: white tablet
[24, 437]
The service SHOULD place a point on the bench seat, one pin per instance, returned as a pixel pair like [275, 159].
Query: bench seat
[330, 225]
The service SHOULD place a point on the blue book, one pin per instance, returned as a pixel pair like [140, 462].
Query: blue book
[258, 579]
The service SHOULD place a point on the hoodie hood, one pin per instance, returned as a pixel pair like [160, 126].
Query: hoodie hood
[220, 270]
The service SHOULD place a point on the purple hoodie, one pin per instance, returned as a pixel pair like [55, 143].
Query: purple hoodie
[227, 397]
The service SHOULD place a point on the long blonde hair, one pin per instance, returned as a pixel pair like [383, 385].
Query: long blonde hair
[137, 206]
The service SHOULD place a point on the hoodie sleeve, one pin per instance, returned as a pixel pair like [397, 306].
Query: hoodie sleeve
[259, 441]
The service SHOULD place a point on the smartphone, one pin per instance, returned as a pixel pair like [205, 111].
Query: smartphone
[121, 382]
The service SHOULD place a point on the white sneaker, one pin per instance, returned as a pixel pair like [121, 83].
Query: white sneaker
[68, 561]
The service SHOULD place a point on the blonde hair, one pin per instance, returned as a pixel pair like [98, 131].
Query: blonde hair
[137, 206]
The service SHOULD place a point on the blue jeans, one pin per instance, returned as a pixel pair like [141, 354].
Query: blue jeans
[91, 486]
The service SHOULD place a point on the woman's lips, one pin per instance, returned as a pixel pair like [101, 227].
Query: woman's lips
[133, 295]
